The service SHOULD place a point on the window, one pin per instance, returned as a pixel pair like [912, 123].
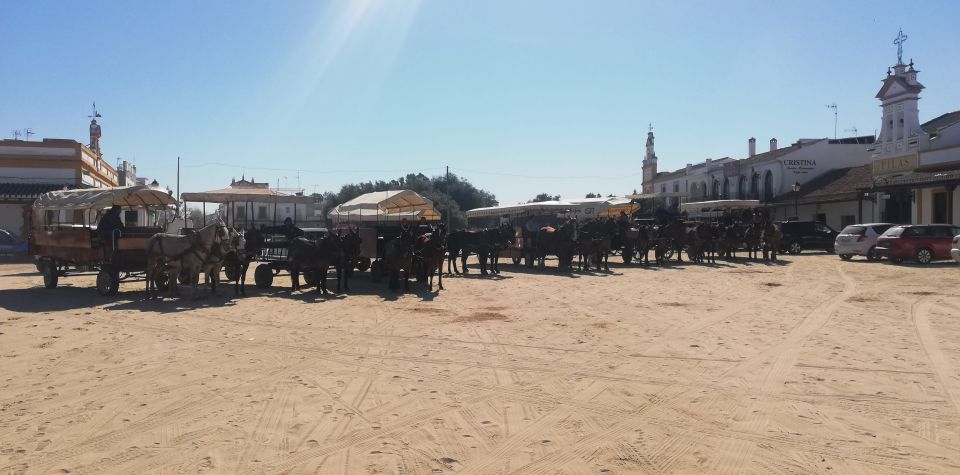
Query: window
[240, 213]
[821, 218]
[5, 239]
[130, 218]
[262, 212]
[768, 186]
[847, 220]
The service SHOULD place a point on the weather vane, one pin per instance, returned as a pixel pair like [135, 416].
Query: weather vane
[899, 42]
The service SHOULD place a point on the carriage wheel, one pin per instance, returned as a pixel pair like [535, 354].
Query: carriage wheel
[310, 277]
[50, 274]
[263, 277]
[108, 282]
[231, 268]
[363, 264]
[162, 281]
[669, 254]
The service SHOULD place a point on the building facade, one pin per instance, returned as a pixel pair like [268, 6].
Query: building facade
[31, 168]
[916, 167]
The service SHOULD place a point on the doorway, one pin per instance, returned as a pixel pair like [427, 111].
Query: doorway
[940, 207]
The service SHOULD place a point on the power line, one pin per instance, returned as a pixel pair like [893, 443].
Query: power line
[549, 177]
[301, 170]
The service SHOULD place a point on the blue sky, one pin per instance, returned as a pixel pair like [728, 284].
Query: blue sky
[520, 97]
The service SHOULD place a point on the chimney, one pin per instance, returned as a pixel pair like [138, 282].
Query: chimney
[752, 146]
[689, 167]
[773, 144]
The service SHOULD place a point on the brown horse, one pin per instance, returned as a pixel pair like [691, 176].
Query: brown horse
[560, 242]
[313, 256]
[430, 250]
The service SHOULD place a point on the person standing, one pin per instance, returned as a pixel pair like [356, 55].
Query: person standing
[109, 229]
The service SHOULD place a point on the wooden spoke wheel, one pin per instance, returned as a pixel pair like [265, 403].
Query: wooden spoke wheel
[108, 282]
[363, 264]
[310, 277]
[162, 281]
[263, 277]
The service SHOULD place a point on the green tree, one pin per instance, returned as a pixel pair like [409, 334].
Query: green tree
[544, 197]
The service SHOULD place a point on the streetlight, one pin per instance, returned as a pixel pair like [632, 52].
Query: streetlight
[796, 196]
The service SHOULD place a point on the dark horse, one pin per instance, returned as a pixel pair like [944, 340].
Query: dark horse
[560, 242]
[397, 257]
[486, 243]
[253, 244]
[314, 256]
[350, 246]
[429, 251]
[595, 240]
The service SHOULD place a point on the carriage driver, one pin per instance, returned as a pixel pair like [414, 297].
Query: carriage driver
[290, 230]
[109, 223]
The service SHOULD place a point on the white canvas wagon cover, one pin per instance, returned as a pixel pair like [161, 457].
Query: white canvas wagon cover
[100, 198]
[719, 205]
[244, 195]
[383, 205]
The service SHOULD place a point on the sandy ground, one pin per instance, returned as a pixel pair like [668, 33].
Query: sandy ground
[814, 365]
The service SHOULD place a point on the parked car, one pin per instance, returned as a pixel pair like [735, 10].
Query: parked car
[859, 240]
[920, 242]
[798, 236]
[955, 251]
[11, 244]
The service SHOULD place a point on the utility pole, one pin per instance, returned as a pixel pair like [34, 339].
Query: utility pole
[178, 190]
[448, 172]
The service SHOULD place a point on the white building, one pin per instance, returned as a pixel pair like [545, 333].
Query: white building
[916, 167]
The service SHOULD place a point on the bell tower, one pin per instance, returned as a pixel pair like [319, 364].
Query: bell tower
[900, 130]
[649, 163]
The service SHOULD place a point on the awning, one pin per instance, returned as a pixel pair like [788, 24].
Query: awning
[529, 209]
[100, 198]
[390, 205]
[719, 205]
[244, 195]
[650, 196]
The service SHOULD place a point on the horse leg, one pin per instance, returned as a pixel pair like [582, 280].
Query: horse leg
[463, 261]
[294, 278]
[439, 277]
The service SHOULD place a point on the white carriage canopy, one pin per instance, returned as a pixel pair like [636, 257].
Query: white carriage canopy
[383, 206]
[101, 198]
[718, 205]
[540, 208]
[244, 195]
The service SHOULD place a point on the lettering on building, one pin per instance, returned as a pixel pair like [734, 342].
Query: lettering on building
[896, 164]
[799, 167]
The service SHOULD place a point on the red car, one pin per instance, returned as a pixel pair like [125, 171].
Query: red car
[920, 242]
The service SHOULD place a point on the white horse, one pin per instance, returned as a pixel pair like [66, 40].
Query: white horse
[195, 253]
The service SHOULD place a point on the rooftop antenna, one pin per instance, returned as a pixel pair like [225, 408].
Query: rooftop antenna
[28, 132]
[852, 129]
[16, 134]
[834, 107]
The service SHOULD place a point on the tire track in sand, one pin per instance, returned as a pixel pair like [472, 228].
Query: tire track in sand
[920, 315]
[734, 454]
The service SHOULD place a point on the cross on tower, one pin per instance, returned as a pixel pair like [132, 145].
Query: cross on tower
[899, 42]
[650, 127]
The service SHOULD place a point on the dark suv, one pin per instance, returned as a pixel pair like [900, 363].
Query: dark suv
[798, 236]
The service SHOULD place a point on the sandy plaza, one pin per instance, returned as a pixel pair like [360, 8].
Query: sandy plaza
[810, 365]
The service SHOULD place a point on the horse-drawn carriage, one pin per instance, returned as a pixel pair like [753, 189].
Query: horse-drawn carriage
[65, 241]
[377, 217]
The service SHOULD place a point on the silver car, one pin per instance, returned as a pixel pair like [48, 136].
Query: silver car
[859, 240]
